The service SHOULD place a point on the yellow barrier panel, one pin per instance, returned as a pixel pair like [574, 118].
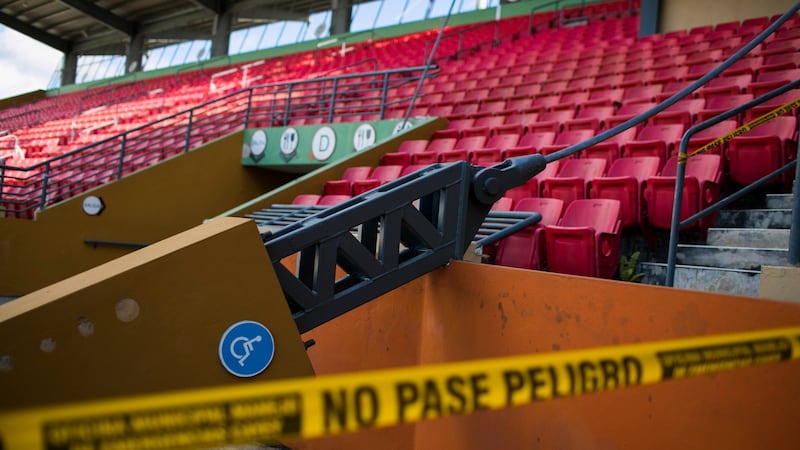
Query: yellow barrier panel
[313, 407]
[742, 129]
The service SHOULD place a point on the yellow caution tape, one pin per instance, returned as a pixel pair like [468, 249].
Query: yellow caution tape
[777, 112]
[328, 405]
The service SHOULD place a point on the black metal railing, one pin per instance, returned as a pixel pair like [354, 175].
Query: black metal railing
[677, 224]
[24, 190]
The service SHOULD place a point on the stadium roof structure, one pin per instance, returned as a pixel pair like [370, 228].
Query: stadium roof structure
[109, 26]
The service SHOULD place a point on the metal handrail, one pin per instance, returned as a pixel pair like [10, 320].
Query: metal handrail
[676, 224]
[231, 112]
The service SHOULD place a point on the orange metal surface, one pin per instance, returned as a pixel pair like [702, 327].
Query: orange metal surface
[467, 311]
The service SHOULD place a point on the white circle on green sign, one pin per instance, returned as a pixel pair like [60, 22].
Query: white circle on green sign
[323, 144]
[258, 144]
[363, 137]
[289, 139]
[401, 126]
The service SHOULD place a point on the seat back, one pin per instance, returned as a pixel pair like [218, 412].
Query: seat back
[537, 139]
[385, 174]
[598, 213]
[441, 145]
[586, 168]
[569, 137]
[639, 167]
[503, 141]
[704, 167]
[356, 173]
[470, 143]
[306, 199]
[550, 208]
[334, 199]
[413, 146]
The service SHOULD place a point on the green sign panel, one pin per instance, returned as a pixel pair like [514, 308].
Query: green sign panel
[304, 148]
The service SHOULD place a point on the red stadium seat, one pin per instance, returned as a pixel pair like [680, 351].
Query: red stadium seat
[682, 112]
[525, 248]
[330, 200]
[380, 175]
[720, 104]
[655, 140]
[625, 182]
[344, 185]
[762, 150]
[565, 139]
[701, 189]
[306, 199]
[611, 148]
[537, 139]
[403, 154]
[573, 179]
[586, 240]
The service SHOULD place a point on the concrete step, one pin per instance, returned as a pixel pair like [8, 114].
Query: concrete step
[754, 218]
[779, 201]
[708, 279]
[746, 258]
[749, 237]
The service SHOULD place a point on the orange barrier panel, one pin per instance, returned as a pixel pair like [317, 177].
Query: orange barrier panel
[467, 311]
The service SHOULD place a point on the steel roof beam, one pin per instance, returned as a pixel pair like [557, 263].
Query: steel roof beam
[42, 36]
[102, 15]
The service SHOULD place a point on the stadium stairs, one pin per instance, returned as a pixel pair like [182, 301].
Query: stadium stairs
[743, 239]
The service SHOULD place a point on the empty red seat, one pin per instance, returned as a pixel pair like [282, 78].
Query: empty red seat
[701, 189]
[525, 248]
[306, 199]
[709, 134]
[625, 182]
[722, 103]
[611, 148]
[344, 185]
[565, 139]
[768, 81]
[590, 118]
[503, 141]
[586, 240]
[683, 112]
[573, 179]
[729, 85]
[537, 139]
[379, 175]
[403, 154]
[330, 200]
[762, 150]
[655, 140]
[769, 105]
[628, 111]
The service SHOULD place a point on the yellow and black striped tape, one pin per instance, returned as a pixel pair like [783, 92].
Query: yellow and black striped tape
[328, 405]
[777, 112]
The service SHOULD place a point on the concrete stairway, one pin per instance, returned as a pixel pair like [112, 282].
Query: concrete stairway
[741, 241]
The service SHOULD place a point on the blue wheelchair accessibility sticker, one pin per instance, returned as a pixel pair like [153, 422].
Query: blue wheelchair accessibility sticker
[246, 348]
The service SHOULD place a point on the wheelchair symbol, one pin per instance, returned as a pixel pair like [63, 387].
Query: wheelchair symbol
[246, 348]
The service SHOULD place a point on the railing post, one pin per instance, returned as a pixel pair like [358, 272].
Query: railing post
[676, 217]
[45, 179]
[384, 94]
[249, 105]
[794, 233]
[121, 155]
[288, 106]
[188, 132]
[332, 106]
[2, 177]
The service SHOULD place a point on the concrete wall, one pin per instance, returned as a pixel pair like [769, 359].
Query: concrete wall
[687, 14]
[780, 283]
[144, 207]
